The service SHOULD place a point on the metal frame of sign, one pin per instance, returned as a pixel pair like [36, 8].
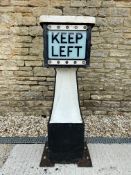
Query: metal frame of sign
[88, 47]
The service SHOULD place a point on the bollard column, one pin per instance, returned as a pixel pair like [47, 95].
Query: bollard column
[66, 127]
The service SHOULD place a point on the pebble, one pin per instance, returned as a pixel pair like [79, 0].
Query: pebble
[95, 125]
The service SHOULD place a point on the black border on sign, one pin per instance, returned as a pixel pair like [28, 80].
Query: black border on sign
[88, 46]
[45, 41]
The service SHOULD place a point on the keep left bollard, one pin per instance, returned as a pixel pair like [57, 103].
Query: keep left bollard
[67, 44]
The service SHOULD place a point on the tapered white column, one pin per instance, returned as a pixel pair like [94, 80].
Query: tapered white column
[66, 105]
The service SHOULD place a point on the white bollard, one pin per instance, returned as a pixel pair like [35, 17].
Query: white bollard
[67, 45]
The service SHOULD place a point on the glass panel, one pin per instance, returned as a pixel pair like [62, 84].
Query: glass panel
[67, 44]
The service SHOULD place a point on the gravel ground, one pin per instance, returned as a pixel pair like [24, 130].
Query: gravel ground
[95, 125]
[11, 126]
[108, 126]
[4, 153]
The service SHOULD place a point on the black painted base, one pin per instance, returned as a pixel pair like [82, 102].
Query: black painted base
[84, 161]
[65, 141]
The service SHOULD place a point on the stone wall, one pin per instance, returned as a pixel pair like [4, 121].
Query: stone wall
[26, 87]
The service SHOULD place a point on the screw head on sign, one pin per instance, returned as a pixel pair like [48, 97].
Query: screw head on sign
[76, 27]
[83, 62]
[67, 27]
[58, 62]
[75, 62]
[85, 27]
[49, 62]
[58, 27]
[66, 62]
[49, 26]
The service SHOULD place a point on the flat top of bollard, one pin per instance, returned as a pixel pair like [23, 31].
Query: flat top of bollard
[67, 19]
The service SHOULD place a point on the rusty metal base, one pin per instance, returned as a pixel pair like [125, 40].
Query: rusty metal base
[84, 161]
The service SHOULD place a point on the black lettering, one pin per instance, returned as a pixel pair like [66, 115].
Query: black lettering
[61, 51]
[63, 38]
[78, 37]
[70, 38]
[53, 52]
[78, 50]
[68, 50]
[54, 37]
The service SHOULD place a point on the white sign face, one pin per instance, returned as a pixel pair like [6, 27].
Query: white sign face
[67, 44]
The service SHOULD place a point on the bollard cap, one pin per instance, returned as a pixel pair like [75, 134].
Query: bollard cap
[67, 19]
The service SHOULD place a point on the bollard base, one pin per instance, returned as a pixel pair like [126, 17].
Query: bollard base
[66, 145]
[83, 161]
[65, 139]
[45, 161]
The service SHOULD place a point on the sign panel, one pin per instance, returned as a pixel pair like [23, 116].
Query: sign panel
[67, 44]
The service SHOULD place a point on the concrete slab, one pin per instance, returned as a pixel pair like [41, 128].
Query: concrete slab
[107, 159]
[4, 152]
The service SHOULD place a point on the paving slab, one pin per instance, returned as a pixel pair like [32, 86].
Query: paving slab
[107, 159]
[4, 152]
